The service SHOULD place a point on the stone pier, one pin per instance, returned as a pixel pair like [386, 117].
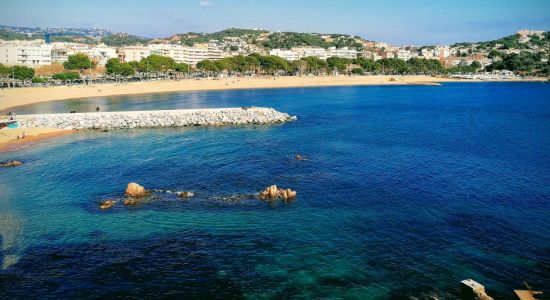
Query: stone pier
[156, 118]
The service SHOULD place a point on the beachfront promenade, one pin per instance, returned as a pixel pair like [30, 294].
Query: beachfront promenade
[155, 118]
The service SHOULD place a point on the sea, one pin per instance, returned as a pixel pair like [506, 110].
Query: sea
[404, 192]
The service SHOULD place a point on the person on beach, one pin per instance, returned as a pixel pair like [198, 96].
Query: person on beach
[23, 135]
[97, 109]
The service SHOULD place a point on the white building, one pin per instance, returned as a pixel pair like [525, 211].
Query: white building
[343, 52]
[26, 53]
[403, 54]
[443, 51]
[133, 53]
[173, 51]
[286, 54]
[192, 55]
[311, 51]
[101, 53]
[428, 53]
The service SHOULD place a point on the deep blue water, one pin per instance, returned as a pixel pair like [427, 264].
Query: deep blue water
[406, 191]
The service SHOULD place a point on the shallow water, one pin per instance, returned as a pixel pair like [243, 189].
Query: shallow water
[406, 191]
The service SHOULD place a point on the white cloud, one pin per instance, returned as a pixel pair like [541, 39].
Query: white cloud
[205, 3]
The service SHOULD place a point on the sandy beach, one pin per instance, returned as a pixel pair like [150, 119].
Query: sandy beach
[9, 141]
[23, 96]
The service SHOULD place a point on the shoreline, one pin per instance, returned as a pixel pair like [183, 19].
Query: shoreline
[12, 98]
[9, 141]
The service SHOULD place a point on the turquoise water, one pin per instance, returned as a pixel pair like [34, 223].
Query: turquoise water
[406, 191]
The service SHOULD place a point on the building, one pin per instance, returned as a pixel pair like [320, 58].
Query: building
[173, 51]
[428, 53]
[286, 54]
[25, 53]
[403, 54]
[388, 54]
[132, 53]
[311, 51]
[443, 51]
[343, 52]
[192, 55]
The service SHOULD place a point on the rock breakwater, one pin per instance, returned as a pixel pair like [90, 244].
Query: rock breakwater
[156, 118]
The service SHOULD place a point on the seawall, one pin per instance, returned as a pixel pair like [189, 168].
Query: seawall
[156, 118]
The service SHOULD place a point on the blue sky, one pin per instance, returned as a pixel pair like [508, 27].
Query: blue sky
[399, 22]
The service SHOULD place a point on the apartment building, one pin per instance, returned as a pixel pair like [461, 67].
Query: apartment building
[133, 53]
[192, 55]
[311, 51]
[343, 52]
[286, 54]
[26, 53]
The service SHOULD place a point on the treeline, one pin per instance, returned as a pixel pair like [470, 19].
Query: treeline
[165, 67]
[120, 40]
[524, 63]
[192, 38]
[287, 40]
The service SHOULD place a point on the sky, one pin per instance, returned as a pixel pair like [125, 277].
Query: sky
[399, 22]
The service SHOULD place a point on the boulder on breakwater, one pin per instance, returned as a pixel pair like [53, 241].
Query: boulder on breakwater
[156, 118]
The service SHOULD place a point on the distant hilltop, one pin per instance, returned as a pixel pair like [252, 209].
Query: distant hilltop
[259, 37]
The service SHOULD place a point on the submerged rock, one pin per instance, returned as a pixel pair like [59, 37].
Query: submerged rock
[106, 204]
[135, 190]
[185, 194]
[10, 163]
[131, 201]
[299, 157]
[272, 192]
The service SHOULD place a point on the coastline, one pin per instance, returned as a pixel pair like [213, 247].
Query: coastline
[9, 141]
[10, 98]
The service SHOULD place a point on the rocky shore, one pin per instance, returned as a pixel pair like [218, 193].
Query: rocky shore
[155, 118]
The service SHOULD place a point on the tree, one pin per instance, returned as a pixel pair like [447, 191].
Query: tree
[4, 71]
[79, 61]
[207, 66]
[21, 72]
[315, 65]
[357, 71]
[156, 63]
[115, 67]
[272, 64]
[298, 66]
[338, 63]
[182, 67]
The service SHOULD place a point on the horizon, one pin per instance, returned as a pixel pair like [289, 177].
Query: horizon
[370, 21]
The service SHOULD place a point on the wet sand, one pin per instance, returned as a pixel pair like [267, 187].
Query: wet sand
[9, 141]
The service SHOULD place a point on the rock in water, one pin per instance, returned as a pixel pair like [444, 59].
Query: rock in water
[185, 194]
[288, 194]
[135, 190]
[273, 192]
[10, 163]
[106, 204]
[130, 201]
[298, 157]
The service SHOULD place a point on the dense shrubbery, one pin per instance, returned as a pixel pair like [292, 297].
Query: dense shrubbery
[525, 63]
[66, 76]
[119, 40]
